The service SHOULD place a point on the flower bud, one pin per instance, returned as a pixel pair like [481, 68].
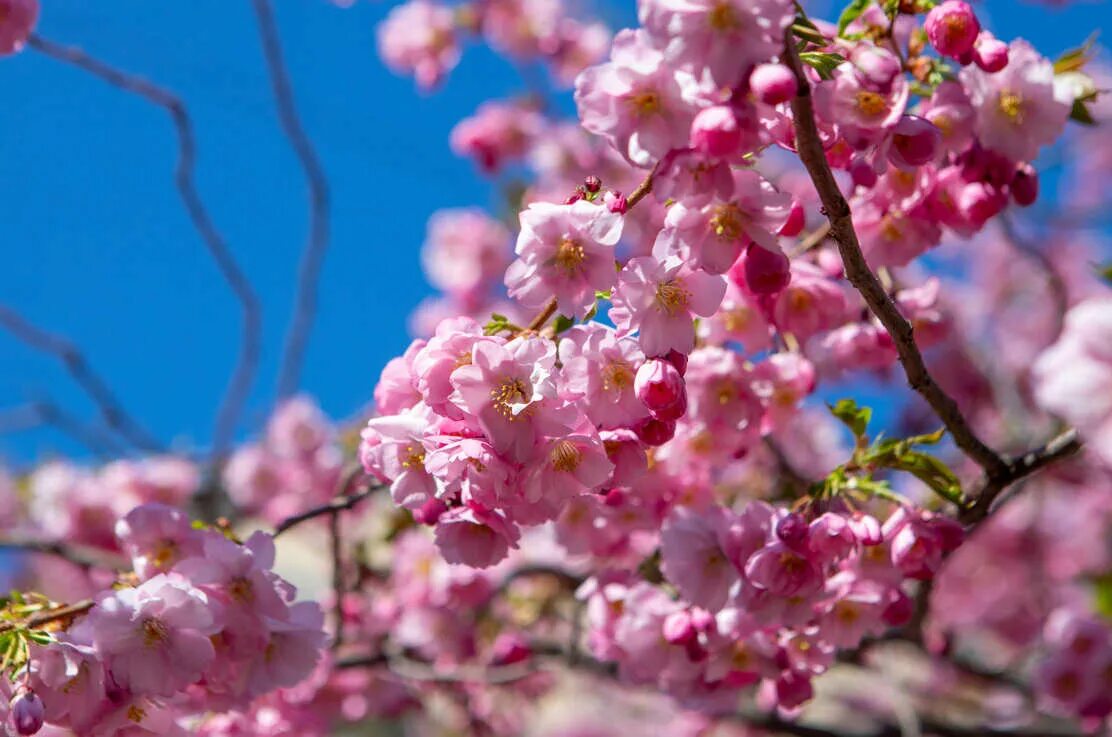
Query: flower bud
[863, 173]
[429, 512]
[979, 202]
[793, 530]
[592, 184]
[797, 219]
[616, 202]
[661, 388]
[766, 272]
[899, 611]
[654, 432]
[677, 359]
[915, 142]
[678, 629]
[772, 84]
[990, 53]
[952, 28]
[28, 712]
[716, 131]
[793, 689]
[879, 67]
[1025, 185]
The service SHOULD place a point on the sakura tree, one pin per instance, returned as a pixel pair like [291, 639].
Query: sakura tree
[623, 479]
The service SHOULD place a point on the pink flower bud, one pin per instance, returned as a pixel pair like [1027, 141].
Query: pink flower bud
[772, 84]
[661, 388]
[28, 712]
[17, 20]
[899, 611]
[677, 359]
[716, 131]
[793, 530]
[863, 173]
[1025, 185]
[617, 202]
[592, 184]
[766, 272]
[654, 432]
[952, 28]
[797, 220]
[429, 512]
[678, 629]
[979, 202]
[793, 689]
[867, 528]
[879, 67]
[915, 142]
[990, 53]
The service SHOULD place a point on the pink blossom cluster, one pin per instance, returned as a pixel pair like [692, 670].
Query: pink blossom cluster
[766, 595]
[205, 626]
[296, 464]
[424, 37]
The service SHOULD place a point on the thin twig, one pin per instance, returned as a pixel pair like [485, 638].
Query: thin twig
[345, 500]
[644, 188]
[75, 363]
[83, 556]
[337, 577]
[44, 412]
[243, 374]
[312, 257]
[51, 616]
[865, 281]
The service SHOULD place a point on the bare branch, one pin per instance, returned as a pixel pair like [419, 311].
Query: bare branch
[44, 412]
[78, 367]
[243, 375]
[83, 556]
[337, 577]
[312, 257]
[346, 499]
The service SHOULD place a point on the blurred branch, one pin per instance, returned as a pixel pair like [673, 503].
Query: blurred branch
[83, 556]
[62, 614]
[243, 375]
[346, 499]
[337, 577]
[1059, 292]
[78, 367]
[44, 412]
[312, 257]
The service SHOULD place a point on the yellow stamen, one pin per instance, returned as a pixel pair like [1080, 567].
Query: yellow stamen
[670, 297]
[569, 256]
[565, 456]
[871, 103]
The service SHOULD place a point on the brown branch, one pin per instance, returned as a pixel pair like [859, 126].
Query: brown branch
[45, 412]
[80, 555]
[312, 257]
[347, 499]
[337, 577]
[243, 374]
[75, 363]
[63, 614]
[999, 471]
[542, 318]
[642, 189]
[1061, 446]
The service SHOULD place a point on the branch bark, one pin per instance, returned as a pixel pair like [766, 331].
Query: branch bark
[312, 257]
[999, 472]
[243, 374]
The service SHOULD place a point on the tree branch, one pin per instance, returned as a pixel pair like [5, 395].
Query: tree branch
[44, 412]
[999, 471]
[344, 501]
[312, 257]
[63, 614]
[243, 374]
[80, 555]
[75, 363]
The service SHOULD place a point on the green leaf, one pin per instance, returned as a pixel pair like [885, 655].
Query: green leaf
[822, 62]
[1079, 113]
[562, 323]
[852, 12]
[39, 637]
[1075, 59]
[809, 33]
[855, 418]
[1106, 273]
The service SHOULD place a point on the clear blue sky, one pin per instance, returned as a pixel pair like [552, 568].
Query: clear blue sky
[97, 246]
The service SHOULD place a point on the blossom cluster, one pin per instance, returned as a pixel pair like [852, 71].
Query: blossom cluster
[206, 625]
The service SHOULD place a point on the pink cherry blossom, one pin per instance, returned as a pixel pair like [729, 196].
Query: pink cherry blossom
[419, 38]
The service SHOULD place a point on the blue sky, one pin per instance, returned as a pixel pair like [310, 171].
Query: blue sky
[97, 246]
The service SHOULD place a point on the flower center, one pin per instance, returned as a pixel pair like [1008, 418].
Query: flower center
[1011, 104]
[736, 320]
[671, 296]
[870, 103]
[645, 103]
[565, 456]
[727, 222]
[569, 256]
[165, 553]
[154, 632]
[415, 457]
[241, 590]
[509, 392]
[136, 714]
[890, 229]
[617, 376]
[723, 17]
